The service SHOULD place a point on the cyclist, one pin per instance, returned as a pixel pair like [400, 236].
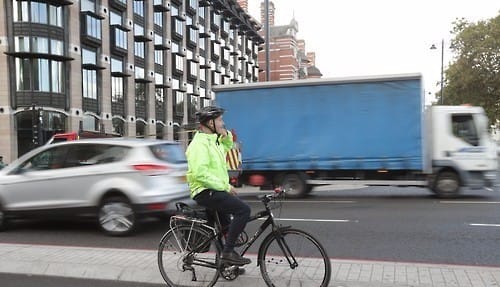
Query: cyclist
[209, 180]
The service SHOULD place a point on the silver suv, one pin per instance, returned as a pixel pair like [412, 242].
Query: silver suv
[114, 180]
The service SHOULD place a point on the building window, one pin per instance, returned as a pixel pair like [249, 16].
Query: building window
[160, 104]
[179, 63]
[159, 57]
[193, 105]
[215, 78]
[179, 103]
[39, 45]
[174, 10]
[193, 4]
[139, 8]
[158, 39]
[158, 79]
[89, 57]
[215, 18]
[116, 65]
[175, 47]
[193, 69]
[90, 123]
[37, 12]
[117, 89]
[115, 18]
[158, 18]
[120, 38]
[89, 79]
[226, 27]
[140, 129]
[202, 75]
[139, 72]
[193, 35]
[93, 27]
[201, 44]
[87, 5]
[138, 30]
[140, 100]
[39, 75]
[178, 27]
[118, 126]
[201, 12]
[21, 11]
[139, 49]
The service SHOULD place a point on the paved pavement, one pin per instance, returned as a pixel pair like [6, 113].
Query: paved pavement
[140, 266]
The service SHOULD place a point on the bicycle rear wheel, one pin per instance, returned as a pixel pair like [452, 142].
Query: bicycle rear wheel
[305, 263]
[187, 258]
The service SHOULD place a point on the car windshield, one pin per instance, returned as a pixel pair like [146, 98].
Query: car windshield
[168, 152]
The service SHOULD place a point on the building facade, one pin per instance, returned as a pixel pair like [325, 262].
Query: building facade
[137, 68]
[287, 54]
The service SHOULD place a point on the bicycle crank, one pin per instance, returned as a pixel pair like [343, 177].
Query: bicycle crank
[230, 272]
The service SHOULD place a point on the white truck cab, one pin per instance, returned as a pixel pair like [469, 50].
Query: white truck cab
[460, 151]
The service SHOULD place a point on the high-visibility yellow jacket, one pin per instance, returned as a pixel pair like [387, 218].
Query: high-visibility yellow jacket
[207, 167]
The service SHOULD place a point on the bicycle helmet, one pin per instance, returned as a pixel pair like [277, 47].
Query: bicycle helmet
[208, 113]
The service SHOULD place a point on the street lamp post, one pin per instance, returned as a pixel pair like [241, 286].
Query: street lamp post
[433, 47]
[267, 44]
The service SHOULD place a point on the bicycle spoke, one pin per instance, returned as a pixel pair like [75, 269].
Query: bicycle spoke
[295, 260]
[180, 263]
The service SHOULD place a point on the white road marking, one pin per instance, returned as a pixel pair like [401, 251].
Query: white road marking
[484, 224]
[311, 201]
[469, 202]
[312, 220]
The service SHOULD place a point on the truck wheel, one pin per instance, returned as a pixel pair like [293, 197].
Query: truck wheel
[447, 184]
[294, 185]
[116, 216]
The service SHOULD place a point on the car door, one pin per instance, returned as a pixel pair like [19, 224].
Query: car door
[85, 163]
[34, 184]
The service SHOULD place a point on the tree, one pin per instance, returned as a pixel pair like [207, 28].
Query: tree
[474, 76]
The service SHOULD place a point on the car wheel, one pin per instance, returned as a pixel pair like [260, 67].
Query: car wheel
[3, 219]
[116, 216]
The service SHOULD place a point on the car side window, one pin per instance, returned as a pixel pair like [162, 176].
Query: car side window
[168, 152]
[109, 153]
[79, 155]
[49, 159]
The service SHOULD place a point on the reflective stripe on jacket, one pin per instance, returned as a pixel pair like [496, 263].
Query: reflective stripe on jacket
[207, 168]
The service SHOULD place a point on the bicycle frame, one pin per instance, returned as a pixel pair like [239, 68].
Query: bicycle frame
[269, 221]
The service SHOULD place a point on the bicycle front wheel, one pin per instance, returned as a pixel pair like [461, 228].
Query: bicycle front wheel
[186, 257]
[292, 257]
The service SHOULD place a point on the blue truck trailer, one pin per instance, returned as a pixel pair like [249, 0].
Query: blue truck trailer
[374, 130]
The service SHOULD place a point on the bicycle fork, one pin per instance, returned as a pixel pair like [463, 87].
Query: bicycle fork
[286, 250]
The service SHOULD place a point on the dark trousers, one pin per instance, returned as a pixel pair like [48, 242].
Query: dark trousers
[226, 204]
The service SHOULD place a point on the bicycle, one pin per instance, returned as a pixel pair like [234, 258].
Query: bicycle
[189, 252]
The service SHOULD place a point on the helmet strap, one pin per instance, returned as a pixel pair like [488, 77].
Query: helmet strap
[214, 129]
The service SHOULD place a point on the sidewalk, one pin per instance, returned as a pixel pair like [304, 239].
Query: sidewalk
[140, 266]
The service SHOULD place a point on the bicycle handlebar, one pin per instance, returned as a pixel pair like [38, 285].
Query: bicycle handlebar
[279, 191]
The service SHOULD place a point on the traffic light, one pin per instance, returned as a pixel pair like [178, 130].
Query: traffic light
[36, 127]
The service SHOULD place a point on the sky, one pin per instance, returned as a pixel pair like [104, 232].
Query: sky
[379, 37]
